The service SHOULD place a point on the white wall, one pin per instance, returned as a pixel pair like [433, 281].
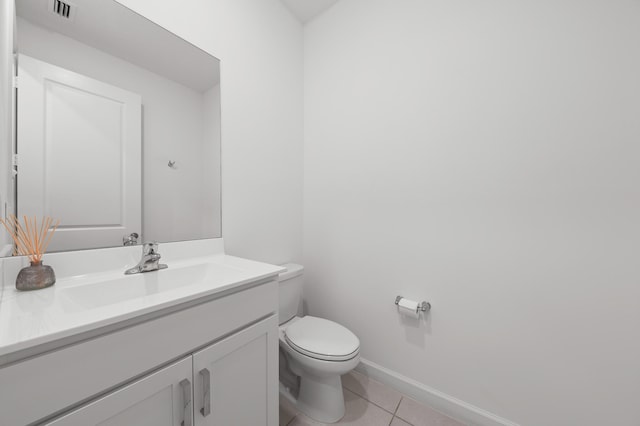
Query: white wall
[484, 156]
[260, 46]
[6, 90]
[174, 119]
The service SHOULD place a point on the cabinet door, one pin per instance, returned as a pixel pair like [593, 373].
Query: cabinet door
[163, 398]
[236, 379]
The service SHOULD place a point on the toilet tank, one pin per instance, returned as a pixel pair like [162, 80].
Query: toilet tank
[290, 291]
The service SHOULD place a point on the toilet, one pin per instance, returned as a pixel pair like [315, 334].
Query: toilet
[316, 350]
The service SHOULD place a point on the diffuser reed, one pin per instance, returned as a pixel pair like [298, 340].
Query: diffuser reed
[32, 239]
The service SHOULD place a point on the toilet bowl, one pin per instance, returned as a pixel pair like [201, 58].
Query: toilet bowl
[317, 350]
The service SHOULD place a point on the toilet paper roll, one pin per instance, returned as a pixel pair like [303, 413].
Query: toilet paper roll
[408, 308]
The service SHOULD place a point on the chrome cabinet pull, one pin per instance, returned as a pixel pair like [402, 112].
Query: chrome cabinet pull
[187, 415]
[206, 392]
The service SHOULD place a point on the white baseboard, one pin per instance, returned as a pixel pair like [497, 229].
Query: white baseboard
[442, 402]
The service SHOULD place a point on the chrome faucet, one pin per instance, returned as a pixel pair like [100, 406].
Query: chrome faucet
[149, 261]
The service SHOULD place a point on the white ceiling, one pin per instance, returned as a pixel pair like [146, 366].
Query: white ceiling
[306, 10]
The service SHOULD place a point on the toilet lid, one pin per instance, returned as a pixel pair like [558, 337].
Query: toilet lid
[322, 339]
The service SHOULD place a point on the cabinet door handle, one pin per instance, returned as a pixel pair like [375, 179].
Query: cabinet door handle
[206, 392]
[187, 415]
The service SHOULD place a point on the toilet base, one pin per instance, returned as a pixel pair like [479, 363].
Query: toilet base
[320, 398]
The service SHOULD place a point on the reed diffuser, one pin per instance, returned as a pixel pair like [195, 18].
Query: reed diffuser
[32, 239]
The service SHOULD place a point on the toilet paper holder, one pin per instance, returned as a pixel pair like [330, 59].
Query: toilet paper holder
[424, 306]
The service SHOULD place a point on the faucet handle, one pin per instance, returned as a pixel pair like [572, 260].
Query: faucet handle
[150, 247]
[131, 239]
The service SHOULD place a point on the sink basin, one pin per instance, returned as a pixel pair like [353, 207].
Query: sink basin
[130, 287]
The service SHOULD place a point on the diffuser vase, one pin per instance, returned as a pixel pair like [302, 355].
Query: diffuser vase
[35, 277]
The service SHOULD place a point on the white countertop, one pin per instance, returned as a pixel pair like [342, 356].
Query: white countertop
[78, 304]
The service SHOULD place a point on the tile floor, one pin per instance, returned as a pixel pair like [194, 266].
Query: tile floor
[370, 403]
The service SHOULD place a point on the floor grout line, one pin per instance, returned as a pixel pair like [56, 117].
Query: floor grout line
[398, 406]
[356, 393]
[394, 414]
[371, 402]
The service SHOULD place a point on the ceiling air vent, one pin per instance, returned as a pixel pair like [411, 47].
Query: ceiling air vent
[63, 9]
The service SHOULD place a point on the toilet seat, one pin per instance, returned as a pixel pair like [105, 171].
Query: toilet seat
[322, 339]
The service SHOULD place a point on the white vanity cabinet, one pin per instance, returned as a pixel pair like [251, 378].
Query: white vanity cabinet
[150, 369]
[233, 386]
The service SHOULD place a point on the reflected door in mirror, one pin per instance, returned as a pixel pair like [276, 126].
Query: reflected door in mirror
[79, 155]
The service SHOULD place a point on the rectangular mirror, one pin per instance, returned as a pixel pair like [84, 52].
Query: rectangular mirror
[117, 128]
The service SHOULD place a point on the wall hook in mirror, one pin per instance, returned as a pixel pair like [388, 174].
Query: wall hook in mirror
[172, 164]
